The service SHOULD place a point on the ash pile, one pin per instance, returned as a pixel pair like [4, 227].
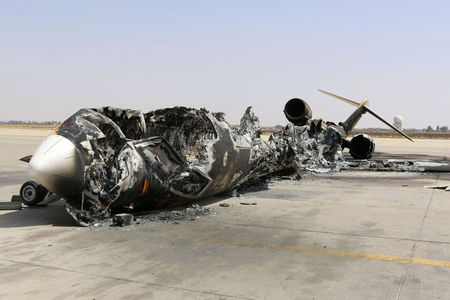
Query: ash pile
[389, 165]
[315, 148]
[173, 216]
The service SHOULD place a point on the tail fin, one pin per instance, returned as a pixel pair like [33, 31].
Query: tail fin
[350, 123]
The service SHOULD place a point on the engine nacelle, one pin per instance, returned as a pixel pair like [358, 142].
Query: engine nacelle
[362, 146]
[297, 111]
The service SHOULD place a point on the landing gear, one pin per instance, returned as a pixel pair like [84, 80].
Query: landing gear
[32, 193]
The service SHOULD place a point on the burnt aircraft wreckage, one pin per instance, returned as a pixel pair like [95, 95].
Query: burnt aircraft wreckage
[107, 160]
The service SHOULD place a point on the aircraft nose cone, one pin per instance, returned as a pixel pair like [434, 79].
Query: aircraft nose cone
[58, 165]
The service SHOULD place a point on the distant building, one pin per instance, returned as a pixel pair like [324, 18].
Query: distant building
[398, 122]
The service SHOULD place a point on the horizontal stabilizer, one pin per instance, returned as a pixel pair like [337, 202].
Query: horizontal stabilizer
[387, 123]
[340, 98]
[365, 103]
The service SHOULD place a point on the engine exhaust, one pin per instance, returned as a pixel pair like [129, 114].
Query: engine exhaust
[297, 111]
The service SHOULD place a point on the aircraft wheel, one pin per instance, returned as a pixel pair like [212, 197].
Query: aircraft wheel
[32, 193]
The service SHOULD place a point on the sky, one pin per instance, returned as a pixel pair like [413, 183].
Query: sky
[59, 56]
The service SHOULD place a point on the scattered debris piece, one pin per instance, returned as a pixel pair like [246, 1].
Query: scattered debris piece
[249, 203]
[438, 187]
[122, 219]
[10, 205]
[16, 198]
[224, 204]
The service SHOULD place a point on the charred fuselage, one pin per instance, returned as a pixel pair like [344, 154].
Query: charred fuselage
[110, 160]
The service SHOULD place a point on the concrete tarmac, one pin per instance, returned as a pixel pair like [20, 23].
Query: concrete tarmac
[348, 235]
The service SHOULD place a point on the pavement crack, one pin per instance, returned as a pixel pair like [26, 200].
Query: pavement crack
[404, 280]
[121, 279]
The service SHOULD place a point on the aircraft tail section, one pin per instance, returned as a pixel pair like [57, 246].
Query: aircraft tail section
[362, 108]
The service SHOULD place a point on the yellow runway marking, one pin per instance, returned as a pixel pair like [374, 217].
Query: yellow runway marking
[379, 257]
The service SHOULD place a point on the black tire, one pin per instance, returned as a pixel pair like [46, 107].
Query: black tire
[32, 193]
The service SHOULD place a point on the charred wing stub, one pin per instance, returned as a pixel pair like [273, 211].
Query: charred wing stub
[297, 111]
[250, 124]
[362, 146]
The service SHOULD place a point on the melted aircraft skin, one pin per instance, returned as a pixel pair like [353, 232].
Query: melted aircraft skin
[164, 158]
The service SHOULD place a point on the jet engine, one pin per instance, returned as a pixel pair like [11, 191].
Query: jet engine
[297, 111]
[362, 146]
